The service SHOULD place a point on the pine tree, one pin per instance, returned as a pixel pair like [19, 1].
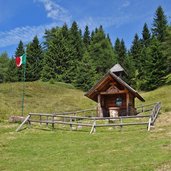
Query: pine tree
[34, 60]
[65, 31]
[166, 48]
[108, 37]
[130, 70]
[12, 71]
[59, 59]
[4, 60]
[122, 54]
[48, 71]
[117, 48]
[146, 35]
[155, 67]
[86, 75]
[20, 51]
[67, 60]
[160, 24]
[76, 41]
[101, 52]
[142, 71]
[137, 61]
[49, 60]
[135, 50]
[86, 37]
[76, 48]
[92, 35]
[120, 51]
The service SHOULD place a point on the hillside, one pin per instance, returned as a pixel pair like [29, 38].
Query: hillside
[60, 97]
[41, 97]
[162, 94]
[40, 148]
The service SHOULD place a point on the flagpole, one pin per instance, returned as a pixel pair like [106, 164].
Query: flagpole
[23, 94]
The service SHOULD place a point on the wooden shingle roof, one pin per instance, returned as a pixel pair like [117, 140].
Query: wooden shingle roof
[100, 86]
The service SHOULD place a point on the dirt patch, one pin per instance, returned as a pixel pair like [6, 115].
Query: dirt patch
[164, 119]
[164, 167]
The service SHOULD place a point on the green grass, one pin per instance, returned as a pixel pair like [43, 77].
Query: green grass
[41, 149]
[127, 150]
[162, 94]
[41, 97]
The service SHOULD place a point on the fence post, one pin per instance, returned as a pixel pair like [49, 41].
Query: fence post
[52, 121]
[47, 121]
[40, 119]
[121, 121]
[93, 129]
[157, 109]
[25, 120]
[74, 116]
[149, 124]
[70, 123]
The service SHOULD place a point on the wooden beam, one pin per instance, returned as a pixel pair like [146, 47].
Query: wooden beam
[25, 120]
[120, 92]
[127, 103]
[99, 108]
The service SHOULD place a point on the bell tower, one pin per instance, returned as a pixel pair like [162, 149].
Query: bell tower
[118, 70]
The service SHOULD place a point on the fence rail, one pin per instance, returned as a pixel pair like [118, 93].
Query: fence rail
[145, 108]
[74, 118]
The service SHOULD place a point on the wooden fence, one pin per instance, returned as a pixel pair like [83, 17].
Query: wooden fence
[89, 120]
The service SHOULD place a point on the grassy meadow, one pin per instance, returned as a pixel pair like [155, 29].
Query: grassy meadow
[41, 149]
[41, 97]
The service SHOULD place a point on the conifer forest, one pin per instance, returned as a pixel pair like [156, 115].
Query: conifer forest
[82, 57]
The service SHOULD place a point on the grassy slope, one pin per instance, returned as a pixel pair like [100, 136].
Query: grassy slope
[162, 94]
[41, 97]
[132, 149]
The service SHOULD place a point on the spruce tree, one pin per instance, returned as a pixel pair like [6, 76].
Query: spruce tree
[166, 48]
[142, 71]
[137, 60]
[48, 71]
[67, 60]
[34, 60]
[135, 50]
[76, 41]
[101, 52]
[160, 24]
[86, 37]
[155, 67]
[120, 51]
[20, 51]
[108, 37]
[130, 70]
[49, 62]
[117, 48]
[59, 59]
[86, 75]
[146, 35]
[65, 31]
[12, 71]
[76, 48]
[4, 60]
[122, 54]
[92, 35]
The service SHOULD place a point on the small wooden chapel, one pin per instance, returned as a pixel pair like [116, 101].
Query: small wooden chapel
[113, 95]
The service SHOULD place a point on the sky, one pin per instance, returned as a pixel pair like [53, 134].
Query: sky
[23, 19]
